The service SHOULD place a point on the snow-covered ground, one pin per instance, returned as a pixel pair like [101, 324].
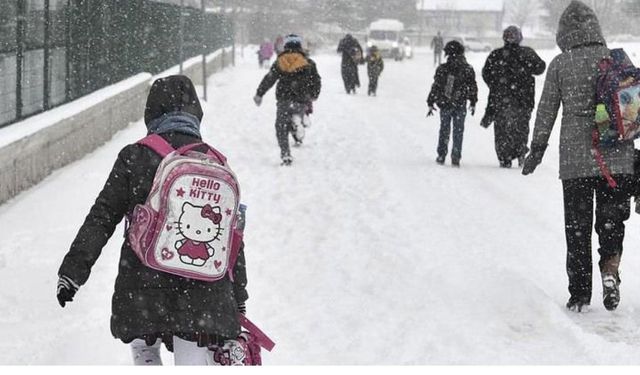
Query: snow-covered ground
[364, 252]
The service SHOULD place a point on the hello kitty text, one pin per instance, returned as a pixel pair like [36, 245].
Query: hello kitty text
[202, 188]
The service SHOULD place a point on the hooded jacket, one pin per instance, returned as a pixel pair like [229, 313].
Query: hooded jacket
[509, 73]
[454, 84]
[571, 80]
[297, 77]
[146, 303]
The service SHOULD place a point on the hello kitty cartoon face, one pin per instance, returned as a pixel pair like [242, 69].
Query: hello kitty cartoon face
[200, 224]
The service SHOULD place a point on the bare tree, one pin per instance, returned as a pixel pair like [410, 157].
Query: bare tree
[521, 12]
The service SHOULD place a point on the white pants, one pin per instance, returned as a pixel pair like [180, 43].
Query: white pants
[185, 353]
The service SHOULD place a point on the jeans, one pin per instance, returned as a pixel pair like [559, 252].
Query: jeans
[447, 116]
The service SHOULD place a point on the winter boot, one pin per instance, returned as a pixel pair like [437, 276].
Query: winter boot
[440, 160]
[505, 163]
[610, 282]
[455, 163]
[578, 305]
[287, 160]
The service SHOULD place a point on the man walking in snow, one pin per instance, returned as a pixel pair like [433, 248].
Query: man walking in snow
[352, 55]
[437, 44]
[298, 85]
[509, 72]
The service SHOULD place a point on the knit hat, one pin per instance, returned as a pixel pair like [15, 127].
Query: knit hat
[292, 41]
[172, 94]
[454, 48]
[512, 35]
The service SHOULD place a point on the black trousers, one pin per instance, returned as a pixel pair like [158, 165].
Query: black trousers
[373, 83]
[284, 124]
[612, 210]
[350, 76]
[512, 133]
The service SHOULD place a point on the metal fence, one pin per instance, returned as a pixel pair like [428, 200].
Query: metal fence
[54, 51]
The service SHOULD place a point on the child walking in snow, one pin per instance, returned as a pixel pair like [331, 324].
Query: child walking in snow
[375, 66]
[454, 84]
[150, 307]
[298, 85]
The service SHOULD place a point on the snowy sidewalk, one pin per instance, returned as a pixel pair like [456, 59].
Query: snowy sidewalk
[364, 252]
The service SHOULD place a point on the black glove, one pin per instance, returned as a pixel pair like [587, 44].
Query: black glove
[431, 110]
[486, 121]
[258, 100]
[242, 308]
[533, 159]
[473, 110]
[67, 288]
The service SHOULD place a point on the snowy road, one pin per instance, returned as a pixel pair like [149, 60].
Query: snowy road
[364, 252]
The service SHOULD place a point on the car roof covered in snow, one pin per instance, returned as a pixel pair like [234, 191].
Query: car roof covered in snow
[461, 5]
[386, 24]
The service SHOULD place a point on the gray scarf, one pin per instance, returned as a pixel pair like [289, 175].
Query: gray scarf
[181, 122]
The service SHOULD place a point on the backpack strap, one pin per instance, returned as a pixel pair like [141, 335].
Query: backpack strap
[236, 242]
[604, 170]
[157, 144]
[261, 338]
[212, 151]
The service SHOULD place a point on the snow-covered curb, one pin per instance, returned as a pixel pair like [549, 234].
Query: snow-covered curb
[31, 149]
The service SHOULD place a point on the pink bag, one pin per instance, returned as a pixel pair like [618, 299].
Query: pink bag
[187, 226]
[245, 350]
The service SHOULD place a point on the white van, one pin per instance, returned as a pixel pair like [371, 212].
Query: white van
[387, 35]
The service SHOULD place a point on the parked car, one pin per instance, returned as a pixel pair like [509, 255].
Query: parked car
[475, 45]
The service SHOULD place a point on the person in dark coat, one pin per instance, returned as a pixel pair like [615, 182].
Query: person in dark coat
[298, 86]
[454, 84]
[571, 80]
[437, 44]
[148, 306]
[375, 66]
[352, 55]
[509, 72]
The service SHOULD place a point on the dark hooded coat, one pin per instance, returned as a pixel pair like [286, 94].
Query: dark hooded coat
[509, 72]
[148, 304]
[297, 77]
[454, 84]
[571, 80]
[352, 55]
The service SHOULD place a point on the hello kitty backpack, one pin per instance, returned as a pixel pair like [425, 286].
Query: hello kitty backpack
[189, 224]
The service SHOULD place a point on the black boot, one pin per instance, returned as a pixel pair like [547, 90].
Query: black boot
[577, 304]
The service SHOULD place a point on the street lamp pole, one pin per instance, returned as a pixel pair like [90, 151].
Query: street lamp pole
[204, 49]
[181, 33]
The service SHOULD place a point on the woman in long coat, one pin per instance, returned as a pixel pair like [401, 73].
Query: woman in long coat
[571, 80]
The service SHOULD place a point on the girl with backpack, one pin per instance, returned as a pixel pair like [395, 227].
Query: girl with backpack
[571, 80]
[454, 84]
[150, 307]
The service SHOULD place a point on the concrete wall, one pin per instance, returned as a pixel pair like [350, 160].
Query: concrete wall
[30, 158]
